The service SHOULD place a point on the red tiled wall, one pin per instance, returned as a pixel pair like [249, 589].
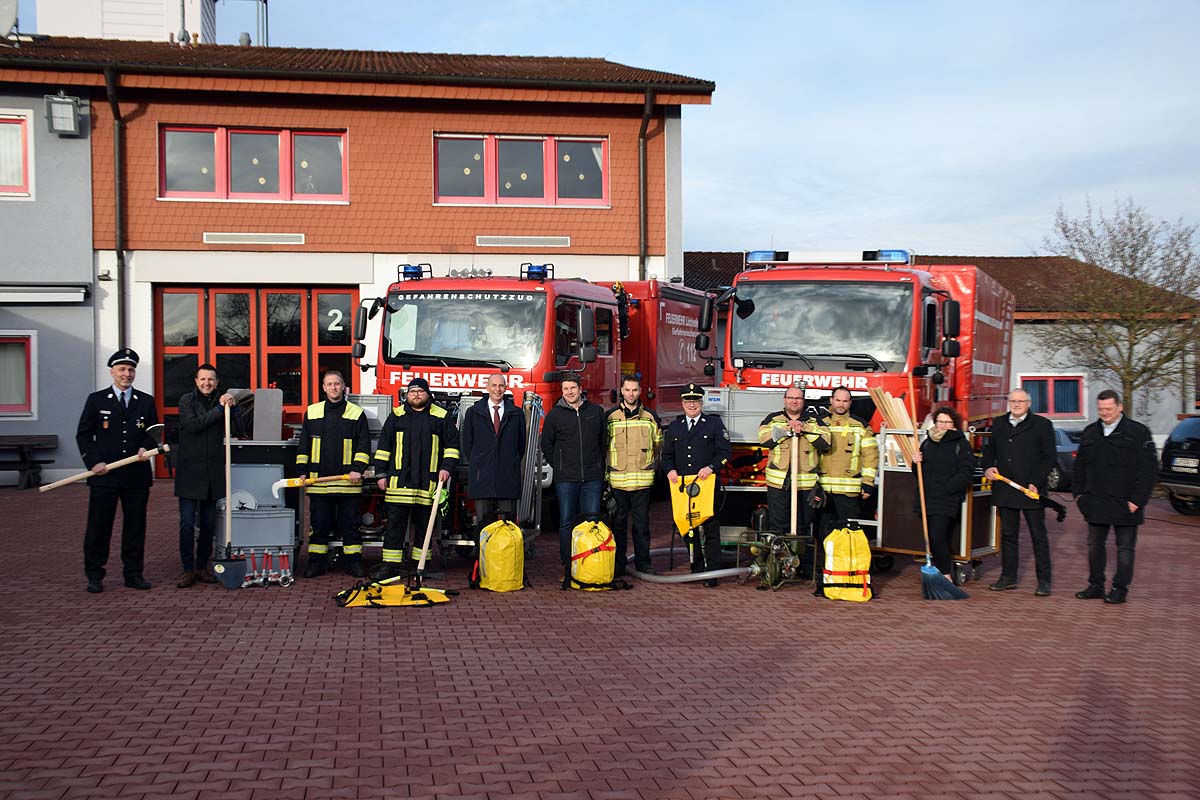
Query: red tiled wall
[391, 178]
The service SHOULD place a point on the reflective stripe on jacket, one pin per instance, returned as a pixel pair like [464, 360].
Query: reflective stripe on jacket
[633, 442]
[413, 447]
[334, 444]
[853, 456]
[816, 438]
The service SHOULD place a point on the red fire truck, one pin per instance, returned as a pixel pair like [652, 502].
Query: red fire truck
[859, 322]
[456, 331]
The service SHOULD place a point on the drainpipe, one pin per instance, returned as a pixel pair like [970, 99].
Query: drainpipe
[643, 212]
[110, 88]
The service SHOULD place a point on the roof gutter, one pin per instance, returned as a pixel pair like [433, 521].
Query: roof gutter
[643, 212]
[110, 90]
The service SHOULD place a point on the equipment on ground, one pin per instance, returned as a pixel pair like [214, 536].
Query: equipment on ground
[230, 570]
[593, 559]
[155, 432]
[500, 566]
[847, 571]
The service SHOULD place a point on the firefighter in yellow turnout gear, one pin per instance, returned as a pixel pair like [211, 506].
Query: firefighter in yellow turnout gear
[634, 438]
[418, 446]
[781, 431]
[847, 472]
[334, 440]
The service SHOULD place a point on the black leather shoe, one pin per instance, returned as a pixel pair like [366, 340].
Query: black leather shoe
[1092, 592]
[1115, 597]
[1002, 584]
[95, 585]
[1043, 590]
[137, 582]
[354, 568]
[710, 583]
[316, 567]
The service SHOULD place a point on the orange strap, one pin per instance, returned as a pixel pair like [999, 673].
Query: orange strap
[852, 573]
[607, 544]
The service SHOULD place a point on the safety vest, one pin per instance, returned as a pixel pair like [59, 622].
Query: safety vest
[632, 449]
[779, 462]
[853, 456]
[331, 449]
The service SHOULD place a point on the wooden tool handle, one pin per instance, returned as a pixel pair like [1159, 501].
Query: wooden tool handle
[124, 462]
[228, 485]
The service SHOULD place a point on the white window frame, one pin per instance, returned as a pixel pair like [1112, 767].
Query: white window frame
[27, 115]
[32, 414]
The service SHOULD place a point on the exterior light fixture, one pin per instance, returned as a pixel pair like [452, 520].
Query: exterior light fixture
[62, 114]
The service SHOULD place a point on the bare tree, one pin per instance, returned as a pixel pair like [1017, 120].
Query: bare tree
[1136, 325]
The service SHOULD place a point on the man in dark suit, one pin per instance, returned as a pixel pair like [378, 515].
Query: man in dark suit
[113, 426]
[1115, 471]
[493, 441]
[697, 444]
[1021, 448]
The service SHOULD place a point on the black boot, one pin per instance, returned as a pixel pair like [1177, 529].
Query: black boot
[352, 566]
[316, 566]
[386, 570]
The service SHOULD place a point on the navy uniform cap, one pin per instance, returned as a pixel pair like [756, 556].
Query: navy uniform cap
[123, 356]
[418, 383]
[693, 391]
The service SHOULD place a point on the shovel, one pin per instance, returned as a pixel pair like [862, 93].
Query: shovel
[230, 571]
[155, 432]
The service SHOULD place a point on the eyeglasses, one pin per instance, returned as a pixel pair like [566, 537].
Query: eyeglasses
[1018, 402]
[944, 421]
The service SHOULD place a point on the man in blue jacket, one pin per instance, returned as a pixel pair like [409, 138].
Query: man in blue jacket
[493, 440]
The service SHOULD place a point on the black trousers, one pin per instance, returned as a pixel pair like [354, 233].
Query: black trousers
[1010, 542]
[489, 509]
[336, 514]
[102, 511]
[1126, 536]
[704, 543]
[779, 517]
[635, 504]
[399, 515]
[943, 531]
[838, 509]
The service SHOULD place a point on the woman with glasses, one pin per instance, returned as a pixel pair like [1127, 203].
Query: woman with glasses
[948, 465]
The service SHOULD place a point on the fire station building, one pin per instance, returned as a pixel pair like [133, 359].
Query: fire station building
[232, 204]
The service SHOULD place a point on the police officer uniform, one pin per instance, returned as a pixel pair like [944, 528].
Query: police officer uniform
[689, 445]
[113, 426]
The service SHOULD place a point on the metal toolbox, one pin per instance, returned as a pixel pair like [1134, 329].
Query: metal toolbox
[259, 519]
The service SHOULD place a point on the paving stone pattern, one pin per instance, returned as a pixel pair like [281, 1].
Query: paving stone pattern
[658, 692]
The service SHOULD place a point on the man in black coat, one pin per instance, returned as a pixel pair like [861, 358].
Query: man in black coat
[493, 441]
[697, 444]
[1021, 448]
[573, 443]
[1115, 471]
[113, 426]
[200, 471]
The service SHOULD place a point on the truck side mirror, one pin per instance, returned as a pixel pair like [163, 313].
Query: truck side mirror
[929, 326]
[587, 354]
[360, 324]
[358, 351]
[706, 315]
[950, 319]
[586, 323]
[951, 348]
[702, 342]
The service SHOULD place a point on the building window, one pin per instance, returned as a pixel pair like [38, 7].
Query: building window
[240, 164]
[16, 155]
[1055, 395]
[18, 359]
[520, 170]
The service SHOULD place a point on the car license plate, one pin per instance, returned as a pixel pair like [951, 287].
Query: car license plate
[1186, 463]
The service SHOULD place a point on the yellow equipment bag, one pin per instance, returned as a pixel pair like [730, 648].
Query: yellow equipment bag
[501, 563]
[847, 572]
[593, 558]
[692, 502]
[388, 593]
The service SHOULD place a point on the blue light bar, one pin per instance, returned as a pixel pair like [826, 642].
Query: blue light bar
[760, 256]
[536, 272]
[414, 272]
[894, 256]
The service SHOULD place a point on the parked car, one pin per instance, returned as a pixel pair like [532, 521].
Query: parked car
[1180, 470]
[1067, 444]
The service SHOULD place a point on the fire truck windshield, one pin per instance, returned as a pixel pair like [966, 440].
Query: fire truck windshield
[829, 322]
[481, 326]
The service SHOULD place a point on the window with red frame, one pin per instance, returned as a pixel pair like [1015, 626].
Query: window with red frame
[16, 374]
[1055, 396]
[14, 155]
[520, 170]
[250, 164]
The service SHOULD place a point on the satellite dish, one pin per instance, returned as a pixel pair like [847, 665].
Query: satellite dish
[8, 16]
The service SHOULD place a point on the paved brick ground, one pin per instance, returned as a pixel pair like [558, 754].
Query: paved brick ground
[659, 692]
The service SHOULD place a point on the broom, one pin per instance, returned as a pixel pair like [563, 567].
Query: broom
[934, 585]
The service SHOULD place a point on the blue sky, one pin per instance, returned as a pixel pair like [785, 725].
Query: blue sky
[946, 127]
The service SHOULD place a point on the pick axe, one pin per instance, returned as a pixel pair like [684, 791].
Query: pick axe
[295, 483]
[155, 432]
[1033, 494]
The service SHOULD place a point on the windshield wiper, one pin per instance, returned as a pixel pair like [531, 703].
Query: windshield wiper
[448, 360]
[788, 353]
[878, 364]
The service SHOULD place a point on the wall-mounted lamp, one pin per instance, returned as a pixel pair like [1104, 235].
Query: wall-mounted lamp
[62, 114]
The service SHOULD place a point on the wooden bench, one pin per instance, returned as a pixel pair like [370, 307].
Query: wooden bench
[26, 462]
